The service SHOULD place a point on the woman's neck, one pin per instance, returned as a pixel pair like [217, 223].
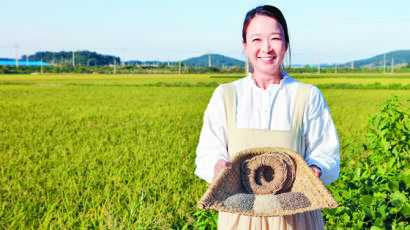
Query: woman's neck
[263, 80]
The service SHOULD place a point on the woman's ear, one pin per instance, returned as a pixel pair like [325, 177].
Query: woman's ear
[244, 46]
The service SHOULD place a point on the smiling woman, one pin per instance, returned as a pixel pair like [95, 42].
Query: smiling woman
[265, 41]
[268, 108]
[266, 48]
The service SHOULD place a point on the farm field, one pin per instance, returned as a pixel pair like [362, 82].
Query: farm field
[139, 79]
[107, 151]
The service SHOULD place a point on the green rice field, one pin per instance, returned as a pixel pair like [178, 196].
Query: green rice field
[118, 151]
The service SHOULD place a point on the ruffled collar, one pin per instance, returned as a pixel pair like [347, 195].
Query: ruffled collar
[270, 87]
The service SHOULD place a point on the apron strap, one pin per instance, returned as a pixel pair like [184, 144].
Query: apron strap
[299, 107]
[229, 94]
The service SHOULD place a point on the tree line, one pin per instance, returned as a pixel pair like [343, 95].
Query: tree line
[164, 69]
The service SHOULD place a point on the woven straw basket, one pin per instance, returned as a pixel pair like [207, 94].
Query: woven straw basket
[267, 182]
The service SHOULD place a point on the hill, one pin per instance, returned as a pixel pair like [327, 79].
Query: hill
[80, 57]
[201, 61]
[400, 57]
[216, 60]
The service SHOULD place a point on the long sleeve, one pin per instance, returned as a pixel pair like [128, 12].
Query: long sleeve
[322, 142]
[213, 139]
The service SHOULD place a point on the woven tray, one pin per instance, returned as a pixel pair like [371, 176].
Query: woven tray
[267, 182]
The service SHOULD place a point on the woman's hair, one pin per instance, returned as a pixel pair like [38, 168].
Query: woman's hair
[269, 11]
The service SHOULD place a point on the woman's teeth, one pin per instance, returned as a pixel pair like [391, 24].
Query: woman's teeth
[267, 58]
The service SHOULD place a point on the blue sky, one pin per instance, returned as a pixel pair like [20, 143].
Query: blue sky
[329, 31]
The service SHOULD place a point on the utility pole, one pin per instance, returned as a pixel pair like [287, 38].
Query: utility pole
[17, 62]
[41, 63]
[336, 68]
[352, 64]
[73, 59]
[384, 64]
[115, 70]
[392, 65]
[179, 71]
[209, 59]
[27, 60]
[122, 55]
[168, 59]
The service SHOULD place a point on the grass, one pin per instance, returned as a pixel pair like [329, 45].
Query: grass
[81, 156]
[110, 155]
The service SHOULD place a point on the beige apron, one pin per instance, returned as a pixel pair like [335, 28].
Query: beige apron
[240, 139]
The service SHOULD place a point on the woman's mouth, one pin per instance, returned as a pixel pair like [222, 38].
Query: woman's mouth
[267, 59]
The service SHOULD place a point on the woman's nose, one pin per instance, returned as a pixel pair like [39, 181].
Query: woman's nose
[266, 46]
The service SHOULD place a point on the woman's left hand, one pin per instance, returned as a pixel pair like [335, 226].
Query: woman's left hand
[316, 170]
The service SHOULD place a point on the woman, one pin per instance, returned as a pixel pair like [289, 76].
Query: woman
[270, 112]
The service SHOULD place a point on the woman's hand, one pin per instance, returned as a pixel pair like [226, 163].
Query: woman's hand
[316, 170]
[220, 164]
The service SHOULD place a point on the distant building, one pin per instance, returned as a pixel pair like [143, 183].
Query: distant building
[22, 62]
[298, 66]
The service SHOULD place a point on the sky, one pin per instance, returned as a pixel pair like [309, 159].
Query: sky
[320, 31]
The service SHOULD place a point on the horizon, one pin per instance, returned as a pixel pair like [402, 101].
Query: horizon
[320, 31]
[22, 60]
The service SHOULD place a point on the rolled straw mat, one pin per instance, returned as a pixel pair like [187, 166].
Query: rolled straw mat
[267, 182]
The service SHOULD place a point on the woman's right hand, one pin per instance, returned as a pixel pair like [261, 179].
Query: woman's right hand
[220, 164]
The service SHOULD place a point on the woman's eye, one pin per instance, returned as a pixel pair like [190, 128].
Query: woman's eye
[255, 39]
[275, 38]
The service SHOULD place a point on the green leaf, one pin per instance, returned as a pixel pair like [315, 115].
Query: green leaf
[399, 196]
[379, 221]
[405, 211]
[381, 210]
[369, 212]
[375, 228]
[393, 186]
[405, 179]
[346, 218]
[331, 212]
[359, 224]
[366, 200]
[379, 195]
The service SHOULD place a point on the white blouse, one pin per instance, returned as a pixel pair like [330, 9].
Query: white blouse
[269, 109]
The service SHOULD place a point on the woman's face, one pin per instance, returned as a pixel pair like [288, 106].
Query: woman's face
[265, 44]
